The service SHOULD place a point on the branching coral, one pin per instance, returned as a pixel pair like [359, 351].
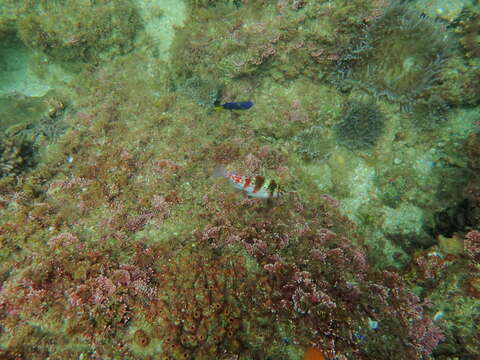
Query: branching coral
[71, 282]
[202, 313]
[122, 247]
[191, 306]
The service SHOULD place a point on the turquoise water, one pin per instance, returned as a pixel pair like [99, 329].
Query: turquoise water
[348, 129]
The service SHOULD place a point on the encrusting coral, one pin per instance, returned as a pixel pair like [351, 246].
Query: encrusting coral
[67, 31]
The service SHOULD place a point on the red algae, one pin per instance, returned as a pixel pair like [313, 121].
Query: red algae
[120, 246]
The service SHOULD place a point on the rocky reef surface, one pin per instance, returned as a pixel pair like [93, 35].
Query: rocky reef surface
[116, 240]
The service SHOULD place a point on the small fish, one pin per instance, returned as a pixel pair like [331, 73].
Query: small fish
[373, 324]
[254, 186]
[242, 105]
[438, 315]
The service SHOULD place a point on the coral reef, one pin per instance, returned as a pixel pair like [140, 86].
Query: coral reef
[361, 126]
[302, 256]
[472, 147]
[15, 155]
[459, 82]
[120, 244]
[8, 16]
[215, 319]
[451, 283]
[203, 92]
[18, 110]
[290, 40]
[467, 26]
[212, 3]
[399, 55]
[27, 124]
[313, 144]
[67, 31]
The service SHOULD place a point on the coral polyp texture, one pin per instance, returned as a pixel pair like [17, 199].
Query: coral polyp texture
[361, 126]
[147, 306]
[66, 30]
[118, 242]
[399, 55]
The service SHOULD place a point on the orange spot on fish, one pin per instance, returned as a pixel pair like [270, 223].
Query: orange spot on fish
[313, 354]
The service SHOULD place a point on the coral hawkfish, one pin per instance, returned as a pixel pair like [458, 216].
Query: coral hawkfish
[254, 186]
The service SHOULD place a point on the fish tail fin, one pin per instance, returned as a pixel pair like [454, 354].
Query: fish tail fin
[219, 172]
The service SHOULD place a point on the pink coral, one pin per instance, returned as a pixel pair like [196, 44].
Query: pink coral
[104, 288]
[472, 245]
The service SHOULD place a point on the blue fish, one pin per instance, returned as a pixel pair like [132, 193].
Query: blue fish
[242, 105]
